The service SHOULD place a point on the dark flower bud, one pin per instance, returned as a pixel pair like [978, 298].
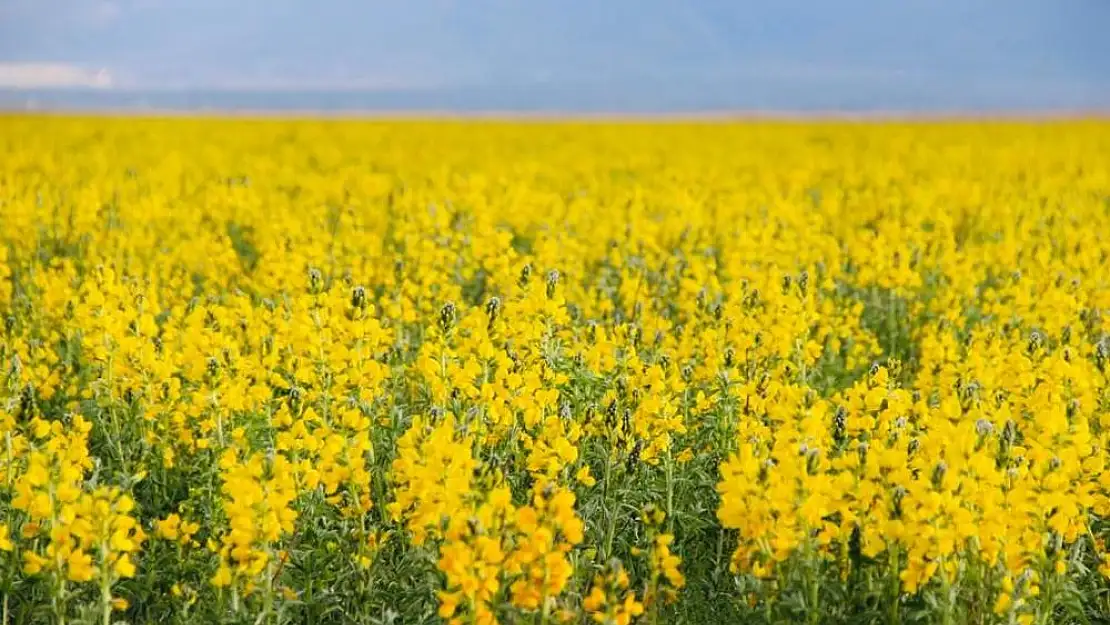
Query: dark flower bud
[315, 280]
[493, 309]
[447, 317]
[552, 282]
[983, 427]
[939, 471]
[358, 297]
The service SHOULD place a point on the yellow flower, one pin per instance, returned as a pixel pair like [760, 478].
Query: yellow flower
[222, 577]
[124, 567]
[1003, 603]
[5, 538]
[582, 476]
[33, 563]
[448, 603]
[79, 566]
[167, 528]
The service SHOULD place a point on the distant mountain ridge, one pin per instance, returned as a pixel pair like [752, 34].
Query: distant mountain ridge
[547, 99]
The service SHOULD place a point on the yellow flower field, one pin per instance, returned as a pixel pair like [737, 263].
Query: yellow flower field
[473, 373]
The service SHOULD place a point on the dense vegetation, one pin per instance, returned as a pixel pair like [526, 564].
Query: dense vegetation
[355, 372]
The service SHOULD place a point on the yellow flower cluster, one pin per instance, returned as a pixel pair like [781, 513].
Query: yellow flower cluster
[72, 531]
[665, 579]
[610, 602]
[258, 497]
[689, 372]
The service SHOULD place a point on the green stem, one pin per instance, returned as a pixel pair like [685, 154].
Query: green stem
[946, 617]
[57, 599]
[813, 586]
[105, 589]
[895, 616]
[718, 553]
[545, 609]
[112, 417]
[670, 491]
[8, 468]
[609, 509]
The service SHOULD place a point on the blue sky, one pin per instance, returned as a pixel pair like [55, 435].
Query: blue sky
[1054, 51]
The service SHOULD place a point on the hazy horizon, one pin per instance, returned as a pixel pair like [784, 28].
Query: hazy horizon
[545, 55]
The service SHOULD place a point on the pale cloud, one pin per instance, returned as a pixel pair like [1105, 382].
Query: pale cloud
[105, 12]
[52, 75]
